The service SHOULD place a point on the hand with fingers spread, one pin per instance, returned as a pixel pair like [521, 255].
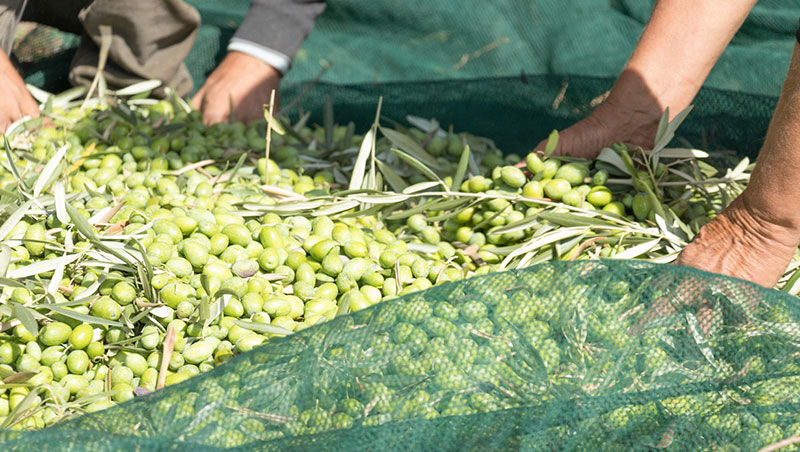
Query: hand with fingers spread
[15, 100]
[756, 236]
[680, 45]
[242, 82]
[630, 114]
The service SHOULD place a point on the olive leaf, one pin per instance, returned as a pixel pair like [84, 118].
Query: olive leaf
[410, 147]
[552, 144]
[263, 328]
[461, 171]
[25, 315]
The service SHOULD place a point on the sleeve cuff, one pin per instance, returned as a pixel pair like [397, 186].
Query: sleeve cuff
[276, 59]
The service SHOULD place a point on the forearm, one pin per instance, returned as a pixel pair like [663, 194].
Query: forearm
[774, 187]
[274, 30]
[679, 47]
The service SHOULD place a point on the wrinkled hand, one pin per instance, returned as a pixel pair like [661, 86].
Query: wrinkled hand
[742, 242]
[630, 114]
[15, 100]
[241, 80]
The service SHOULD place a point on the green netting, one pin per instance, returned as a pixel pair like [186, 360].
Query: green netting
[514, 70]
[510, 69]
[561, 356]
[538, 359]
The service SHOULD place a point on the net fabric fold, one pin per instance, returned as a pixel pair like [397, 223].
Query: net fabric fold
[622, 355]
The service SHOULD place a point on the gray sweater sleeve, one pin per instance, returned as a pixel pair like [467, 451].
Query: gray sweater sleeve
[274, 30]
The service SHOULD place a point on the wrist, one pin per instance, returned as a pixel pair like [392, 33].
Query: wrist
[249, 64]
[763, 220]
[629, 108]
[273, 58]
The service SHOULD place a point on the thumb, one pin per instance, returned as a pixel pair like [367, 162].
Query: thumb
[584, 139]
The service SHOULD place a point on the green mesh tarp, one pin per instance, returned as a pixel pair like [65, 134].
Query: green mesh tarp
[514, 70]
[562, 356]
[511, 70]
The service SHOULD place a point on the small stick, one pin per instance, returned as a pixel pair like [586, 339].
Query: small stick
[781, 444]
[115, 228]
[108, 384]
[192, 166]
[280, 192]
[144, 304]
[268, 115]
[166, 356]
[583, 246]
[108, 215]
[8, 325]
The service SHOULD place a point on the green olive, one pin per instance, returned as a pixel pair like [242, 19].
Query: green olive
[236, 284]
[124, 293]
[233, 308]
[55, 333]
[641, 206]
[150, 337]
[74, 383]
[574, 173]
[572, 198]
[81, 336]
[251, 303]
[248, 342]
[34, 239]
[174, 293]
[179, 267]
[175, 378]
[599, 196]
[219, 243]
[78, 362]
[533, 189]
[187, 225]
[549, 169]
[615, 207]
[245, 268]
[159, 250]
[555, 189]
[198, 352]
[195, 253]
[120, 374]
[512, 176]
[136, 363]
[237, 234]
[106, 308]
[534, 163]
[95, 349]
[122, 392]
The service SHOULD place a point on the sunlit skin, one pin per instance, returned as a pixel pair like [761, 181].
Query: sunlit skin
[241, 81]
[755, 237]
[15, 100]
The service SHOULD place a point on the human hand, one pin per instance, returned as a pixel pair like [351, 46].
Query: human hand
[15, 100]
[746, 242]
[630, 114]
[743, 242]
[241, 80]
[675, 54]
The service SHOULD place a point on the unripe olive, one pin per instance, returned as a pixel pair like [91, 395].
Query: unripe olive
[81, 336]
[34, 239]
[55, 333]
